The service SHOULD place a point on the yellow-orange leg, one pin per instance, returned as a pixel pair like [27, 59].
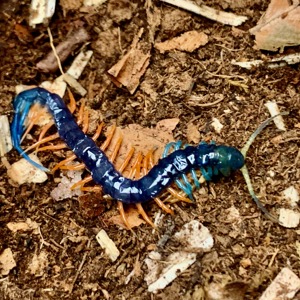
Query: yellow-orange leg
[147, 164]
[136, 174]
[34, 114]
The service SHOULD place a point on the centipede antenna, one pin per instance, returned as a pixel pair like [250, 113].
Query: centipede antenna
[245, 172]
[258, 131]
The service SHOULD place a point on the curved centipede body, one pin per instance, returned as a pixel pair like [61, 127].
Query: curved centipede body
[211, 159]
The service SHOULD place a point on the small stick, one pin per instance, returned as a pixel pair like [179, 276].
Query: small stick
[208, 12]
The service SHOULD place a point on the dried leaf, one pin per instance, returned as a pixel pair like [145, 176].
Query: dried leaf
[192, 133]
[132, 216]
[132, 66]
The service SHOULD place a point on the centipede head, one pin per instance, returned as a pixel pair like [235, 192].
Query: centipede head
[230, 159]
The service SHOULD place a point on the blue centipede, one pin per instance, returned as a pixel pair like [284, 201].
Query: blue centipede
[211, 159]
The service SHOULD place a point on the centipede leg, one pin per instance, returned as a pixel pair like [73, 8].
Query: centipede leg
[137, 173]
[34, 115]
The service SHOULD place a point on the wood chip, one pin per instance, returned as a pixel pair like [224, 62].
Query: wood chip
[193, 237]
[108, 245]
[176, 263]
[7, 261]
[274, 110]
[292, 195]
[279, 26]
[5, 137]
[284, 286]
[95, 3]
[289, 218]
[23, 171]
[72, 82]
[289, 59]
[79, 63]
[188, 41]
[41, 11]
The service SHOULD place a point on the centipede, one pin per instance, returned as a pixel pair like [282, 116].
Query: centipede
[177, 161]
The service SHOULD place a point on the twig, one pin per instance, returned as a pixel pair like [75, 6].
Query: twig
[54, 51]
[208, 12]
[80, 267]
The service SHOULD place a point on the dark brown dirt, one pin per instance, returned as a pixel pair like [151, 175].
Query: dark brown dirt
[170, 80]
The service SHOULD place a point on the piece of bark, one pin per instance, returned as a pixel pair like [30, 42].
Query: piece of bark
[284, 286]
[188, 41]
[63, 50]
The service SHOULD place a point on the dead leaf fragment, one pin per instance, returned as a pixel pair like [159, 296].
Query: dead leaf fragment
[143, 140]
[132, 66]
[132, 216]
[289, 218]
[7, 261]
[193, 134]
[279, 27]
[188, 41]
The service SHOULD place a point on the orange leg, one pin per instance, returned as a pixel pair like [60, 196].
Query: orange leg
[147, 164]
[34, 115]
[137, 175]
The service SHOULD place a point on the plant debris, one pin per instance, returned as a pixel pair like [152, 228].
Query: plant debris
[63, 50]
[279, 27]
[188, 41]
